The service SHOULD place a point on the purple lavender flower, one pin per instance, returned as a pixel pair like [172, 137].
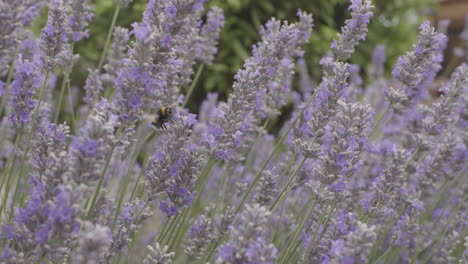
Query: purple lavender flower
[199, 236]
[174, 167]
[175, 34]
[266, 189]
[90, 149]
[306, 85]
[209, 35]
[354, 30]
[133, 215]
[385, 191]
[55, 34]
[312, 123]
[378, 60]
[247, 242]
[27, 81]
[412, 66]
[117, 53]
[250, 88]
[357, 245]
[158, 255]
[43, 228]
[81, 15]
[442, 111]
[14, 16]
[50, 141]
[93, 243]
[93, 88]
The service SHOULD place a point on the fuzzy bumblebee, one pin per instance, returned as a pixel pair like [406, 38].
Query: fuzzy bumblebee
[164, 115]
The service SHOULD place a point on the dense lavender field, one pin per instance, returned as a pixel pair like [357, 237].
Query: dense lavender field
[373, 173]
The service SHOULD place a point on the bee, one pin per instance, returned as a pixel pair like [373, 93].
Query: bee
[164, 115]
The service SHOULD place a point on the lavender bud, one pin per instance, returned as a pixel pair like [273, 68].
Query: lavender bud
[132, 216]
[224, 224]
[81, 15]
[90, 149]
[248, 243]
[442, 112]
[27, 81]
[411, 67]
[93, 88]
[354, 30]
[67, 59]
[266, 189]
[93, 243]
[199, 236]
[387, 187]
[117, 53]
[158, 255]
[54, 34]
[49, 143]
[15, 14]
[178, 179]
[280, 44]
[358, 245]
[378, 61]
[209, 33]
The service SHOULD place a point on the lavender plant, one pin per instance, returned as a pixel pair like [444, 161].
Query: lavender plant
[333, 185]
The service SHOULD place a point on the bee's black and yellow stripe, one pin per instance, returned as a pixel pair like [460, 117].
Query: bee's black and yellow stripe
[164, 114]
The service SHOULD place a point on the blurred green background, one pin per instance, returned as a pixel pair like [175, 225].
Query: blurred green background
[394, 24]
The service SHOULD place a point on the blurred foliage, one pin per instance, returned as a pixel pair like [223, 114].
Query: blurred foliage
[394, 24]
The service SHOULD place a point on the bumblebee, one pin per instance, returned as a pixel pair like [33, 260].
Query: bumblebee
[164, 115]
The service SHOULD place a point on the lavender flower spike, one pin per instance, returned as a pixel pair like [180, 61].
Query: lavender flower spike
[266, 189]
[411, 67]
[93, 88]
[93, 243]
[89, 150]
[280, 44]
[357, 246]
[14, 15]
[206, 48]
[158, 255]
[27, 81]
[354, 30]
[442, 111]
[117, 53]
[248, 242]
[81, 15]
[174, 167]
[55, 34]
[199, 236]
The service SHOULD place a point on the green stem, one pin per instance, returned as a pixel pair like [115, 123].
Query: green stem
[103, 175]
[8, 174]
[108, 38]
[66, 76]
[288, 184]
[142, 171]
[59, 102]
[8, 82]
[70, 99]
[166, 228]
[297, 232]
[28, 141]
[377, 123]
[382, 236]
[192, 85]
